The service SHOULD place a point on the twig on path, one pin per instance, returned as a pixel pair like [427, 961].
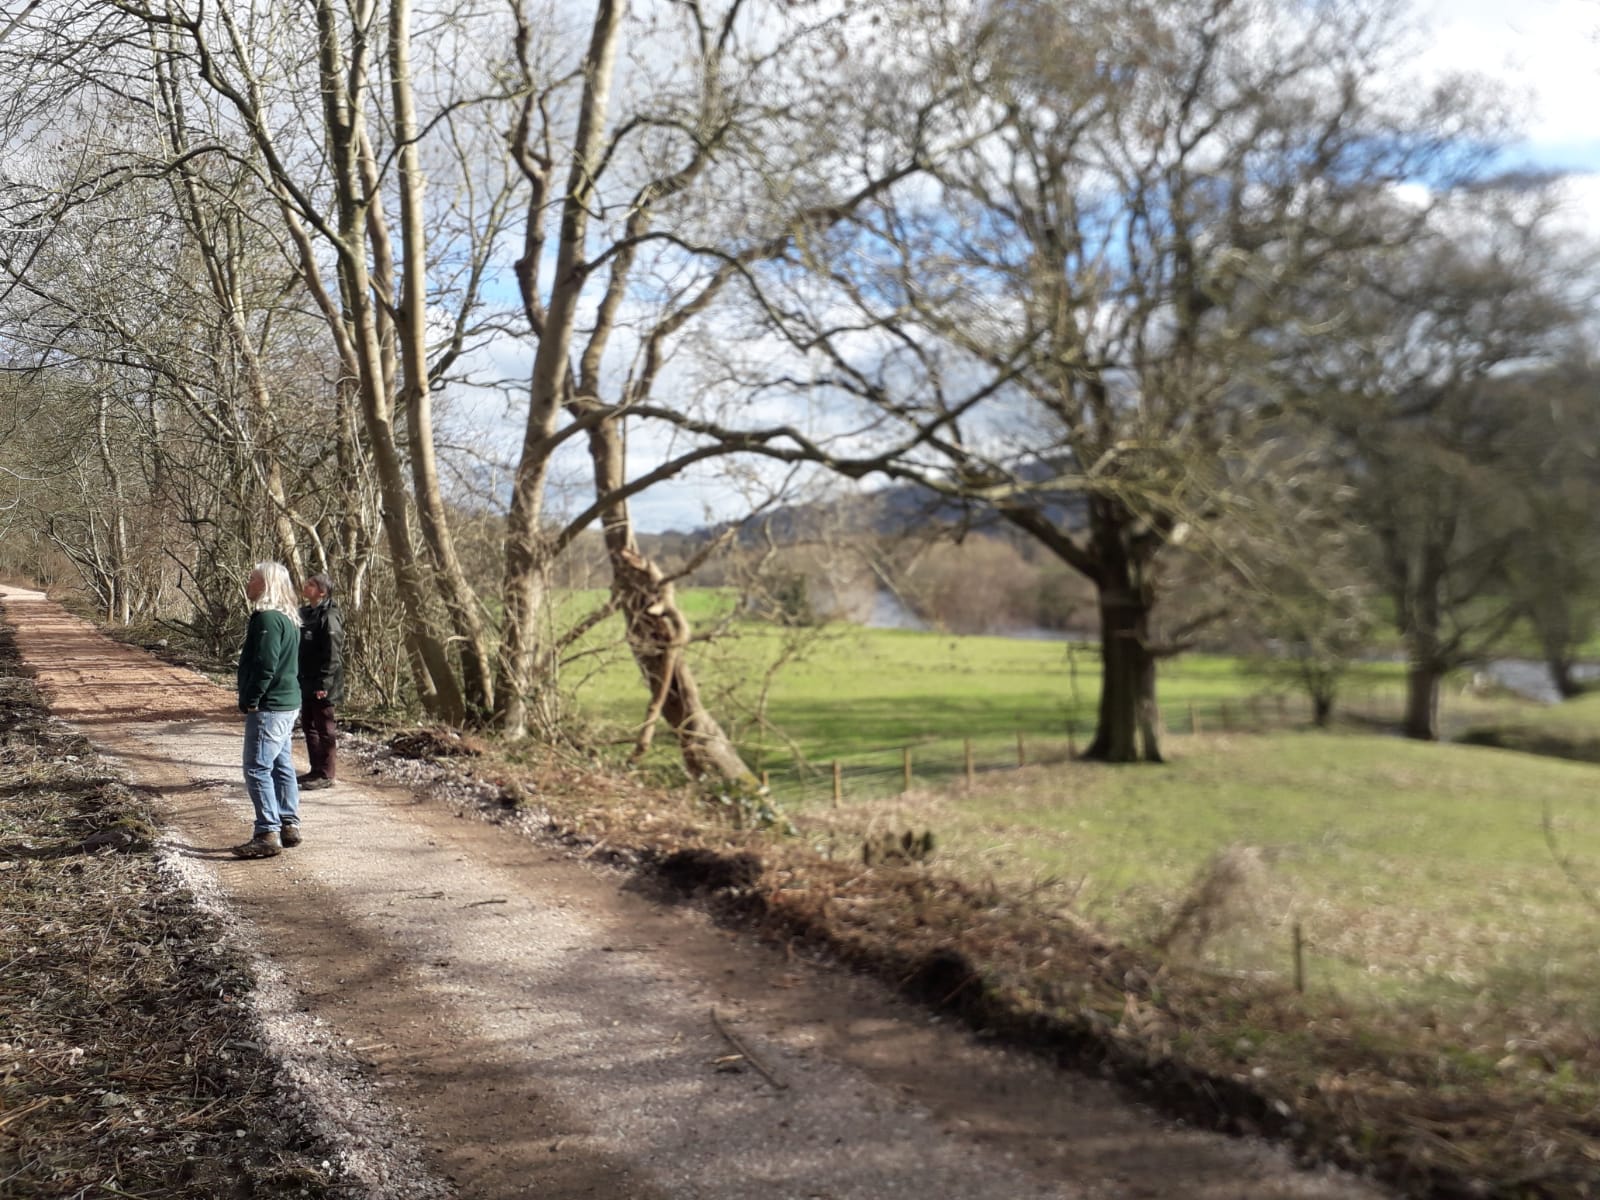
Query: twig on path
[745, 1051]
[481, 903]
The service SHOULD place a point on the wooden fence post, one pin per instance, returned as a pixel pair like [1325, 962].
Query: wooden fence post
[1299, 959]
[905, 768]
[1194, 719]
[1022, 750]
[766, 782]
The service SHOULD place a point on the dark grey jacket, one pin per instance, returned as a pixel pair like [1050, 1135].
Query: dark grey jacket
[321, 651]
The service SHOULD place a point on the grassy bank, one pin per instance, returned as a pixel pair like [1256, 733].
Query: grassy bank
[1570, 731]
[1462, 881]
[1138, 920]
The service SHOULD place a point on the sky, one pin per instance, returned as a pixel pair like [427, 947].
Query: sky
[1547, 53]
[1547, 50]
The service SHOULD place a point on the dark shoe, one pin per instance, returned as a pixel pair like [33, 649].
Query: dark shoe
[263, 845]
[289, 836]
[316, 783]
[308, 777]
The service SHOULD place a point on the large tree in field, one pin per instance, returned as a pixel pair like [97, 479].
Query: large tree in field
[1421, 365]
[1060, 319]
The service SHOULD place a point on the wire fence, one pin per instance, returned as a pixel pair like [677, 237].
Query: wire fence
[939, 761]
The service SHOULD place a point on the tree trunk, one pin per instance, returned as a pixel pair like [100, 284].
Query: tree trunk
[1321, 709]
[342, 90]
[522, 659]
[1561, 676]
[118, 609]
[657, 630]
[1557, 639]
[416, 397]
[1126, 731]
[1127, 728]
[1422, 701]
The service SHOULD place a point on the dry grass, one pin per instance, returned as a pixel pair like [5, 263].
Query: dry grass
[129, 1062]
[1408, 1098]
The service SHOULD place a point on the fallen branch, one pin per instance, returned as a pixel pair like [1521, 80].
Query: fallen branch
[745, 1052]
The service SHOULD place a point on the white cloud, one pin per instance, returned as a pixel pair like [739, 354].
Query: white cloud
[1546, 51]
[1580, 203]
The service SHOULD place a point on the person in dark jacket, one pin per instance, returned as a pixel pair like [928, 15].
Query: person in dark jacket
[321, 679]
[269, 697]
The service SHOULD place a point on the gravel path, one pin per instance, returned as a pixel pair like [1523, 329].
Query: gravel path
[479, 1014]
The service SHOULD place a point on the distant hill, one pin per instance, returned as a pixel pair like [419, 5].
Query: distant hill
[891, 511]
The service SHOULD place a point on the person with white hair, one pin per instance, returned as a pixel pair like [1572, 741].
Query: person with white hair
[269, 697]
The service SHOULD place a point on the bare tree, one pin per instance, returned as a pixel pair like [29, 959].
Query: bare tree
[629, 207]
[1412, 368]
[1059, 321]
[1554, 571]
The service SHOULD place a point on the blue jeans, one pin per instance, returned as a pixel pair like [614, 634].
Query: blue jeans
[269, 769]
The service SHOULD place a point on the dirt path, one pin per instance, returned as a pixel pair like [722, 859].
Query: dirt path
[549, 1031]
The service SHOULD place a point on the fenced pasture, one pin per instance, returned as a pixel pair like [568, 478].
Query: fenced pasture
[1450, 886]
[1456, 884]
[837, 712]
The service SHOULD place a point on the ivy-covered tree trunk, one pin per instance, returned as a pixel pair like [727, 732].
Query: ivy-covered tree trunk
[657, 630]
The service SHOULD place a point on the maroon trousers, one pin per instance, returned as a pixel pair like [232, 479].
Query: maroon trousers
[316, 718]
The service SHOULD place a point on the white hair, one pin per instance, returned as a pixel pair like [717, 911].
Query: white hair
[278, 594]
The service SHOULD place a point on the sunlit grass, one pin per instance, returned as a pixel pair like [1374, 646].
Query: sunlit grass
[811, 696]
[1418, 872]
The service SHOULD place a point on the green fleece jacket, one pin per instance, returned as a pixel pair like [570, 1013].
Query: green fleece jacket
[269, 664]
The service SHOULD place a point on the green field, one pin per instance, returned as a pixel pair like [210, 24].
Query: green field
[798, 700]
[1441, 875]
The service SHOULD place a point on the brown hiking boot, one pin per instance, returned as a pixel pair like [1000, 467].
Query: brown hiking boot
[263, 845]
[315, 783]
[290, 836]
